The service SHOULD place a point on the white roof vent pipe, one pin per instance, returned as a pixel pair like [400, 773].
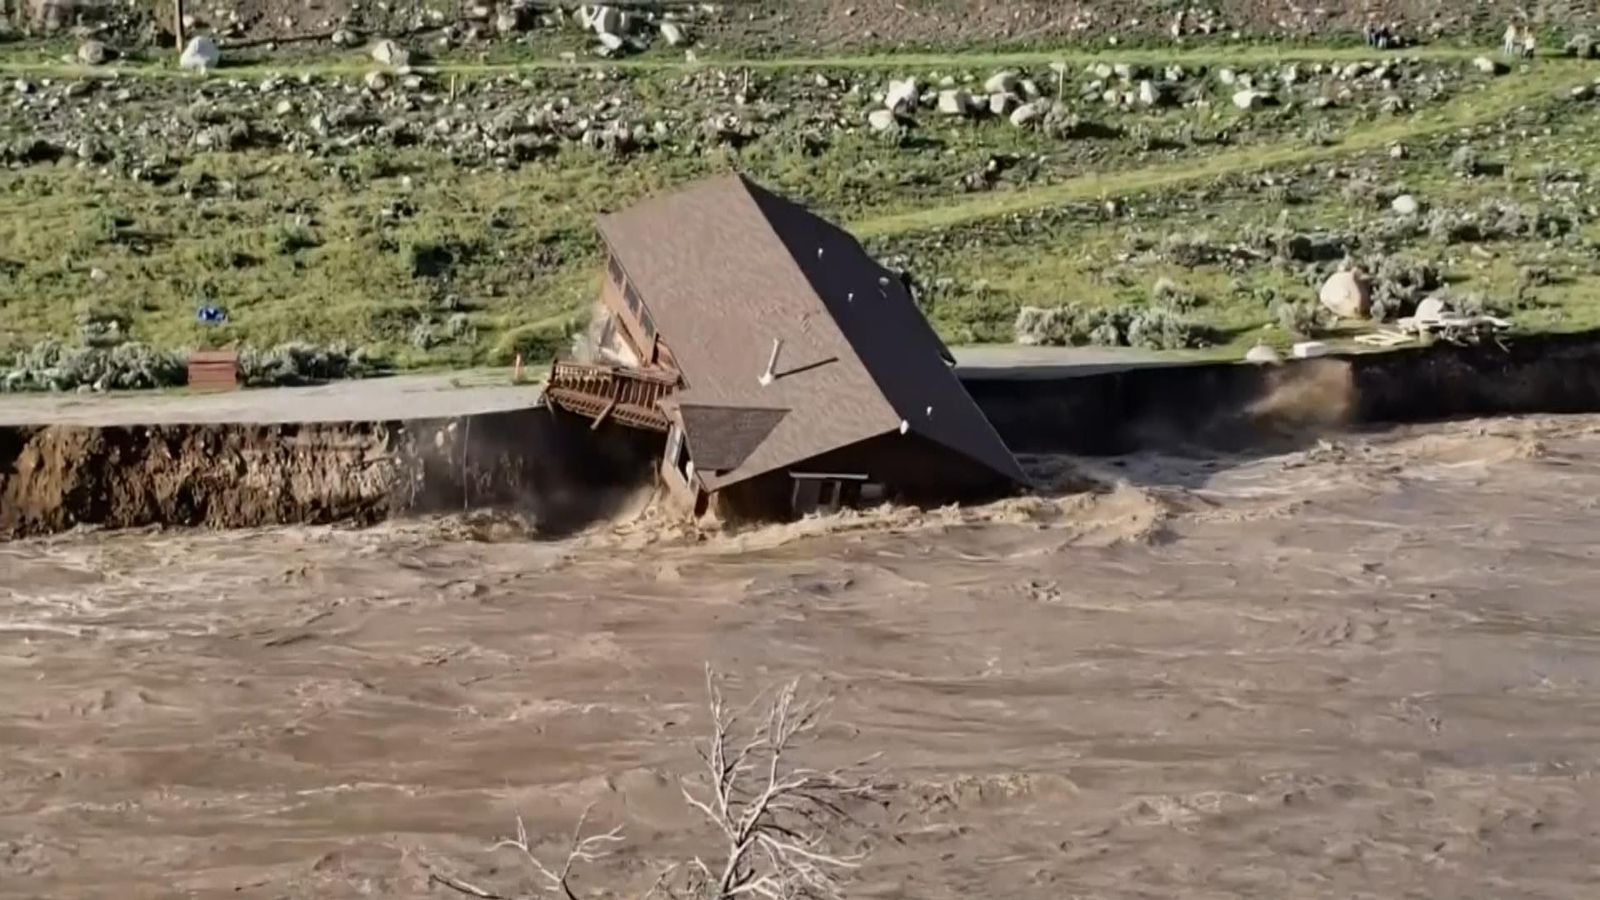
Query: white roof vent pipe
[769, 375]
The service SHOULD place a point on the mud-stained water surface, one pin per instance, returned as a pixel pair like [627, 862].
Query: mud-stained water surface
[1365, 668]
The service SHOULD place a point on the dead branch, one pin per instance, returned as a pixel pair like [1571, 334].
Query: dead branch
[582, 849]
[778, 820]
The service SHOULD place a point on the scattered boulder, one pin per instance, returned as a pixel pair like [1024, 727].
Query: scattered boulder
[1583, 46]
[1488, 66]
[674, 34]
[389, 53]
[1348, 294]
[93, 53]
[608, 20]
[902, 96]
[507, 21]
[882, 119]
[955, 102]
[1002, 83]
[343, 38]
[1431, 309]
[1228, 77]
[1029, 113]
[376, 81]
[1466, 162]
[1263, 355]
[1002, 104]
[611, 42]
[1406, 205]
[1252, 99]
[1151, 94]
[201, 55]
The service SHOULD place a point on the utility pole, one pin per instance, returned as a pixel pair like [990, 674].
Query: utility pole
[177, 23]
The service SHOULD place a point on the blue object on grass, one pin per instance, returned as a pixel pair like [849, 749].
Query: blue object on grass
[210, 315]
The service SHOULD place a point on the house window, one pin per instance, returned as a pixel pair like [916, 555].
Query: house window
[632, 297]
[647, 324]
[818, 492]
[675, 447]
[614, 268]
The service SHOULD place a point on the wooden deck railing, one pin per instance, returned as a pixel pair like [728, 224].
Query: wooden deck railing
[600, 392]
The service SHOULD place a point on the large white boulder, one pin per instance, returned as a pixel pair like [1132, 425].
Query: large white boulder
[389, 53]
[608, 20]
[93, 53]
[1348, 294]
[1251, 99]
[902, 96]
[1029, 113]
[1262, 354]
[1002, 83]
[955, 102]
[1406, 205]
[881, 119]
[1431, 309]
[201, 55]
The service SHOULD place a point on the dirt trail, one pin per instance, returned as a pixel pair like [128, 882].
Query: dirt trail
[1362, 669]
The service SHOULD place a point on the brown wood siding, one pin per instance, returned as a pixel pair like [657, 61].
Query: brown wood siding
[621, 297]
[912, 469]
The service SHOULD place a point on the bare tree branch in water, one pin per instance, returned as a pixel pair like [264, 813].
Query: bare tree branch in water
[779, 821]
[589, 849]
[779, 824]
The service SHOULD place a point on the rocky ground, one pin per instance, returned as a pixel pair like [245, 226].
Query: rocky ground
[781, 26]
[406, 202]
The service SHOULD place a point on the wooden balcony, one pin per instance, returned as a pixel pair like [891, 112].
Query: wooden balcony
[626, 396]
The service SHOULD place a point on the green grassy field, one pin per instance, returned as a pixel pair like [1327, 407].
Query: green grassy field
[433, 254]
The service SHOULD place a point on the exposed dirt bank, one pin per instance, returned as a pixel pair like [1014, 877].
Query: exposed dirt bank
[231, 476]
[1236, 406]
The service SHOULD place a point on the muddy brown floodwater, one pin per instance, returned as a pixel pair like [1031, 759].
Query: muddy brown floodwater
[1364, 668]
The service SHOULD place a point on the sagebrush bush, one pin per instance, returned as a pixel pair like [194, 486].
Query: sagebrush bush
[1072, 325]
[299, 363]
[53, 366]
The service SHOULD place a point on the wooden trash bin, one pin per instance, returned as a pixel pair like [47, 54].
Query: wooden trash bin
[214, 370]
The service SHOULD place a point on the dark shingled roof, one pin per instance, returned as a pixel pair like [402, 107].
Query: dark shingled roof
[722, 437]
[725, 267]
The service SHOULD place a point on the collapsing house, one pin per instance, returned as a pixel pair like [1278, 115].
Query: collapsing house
[789, 371]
